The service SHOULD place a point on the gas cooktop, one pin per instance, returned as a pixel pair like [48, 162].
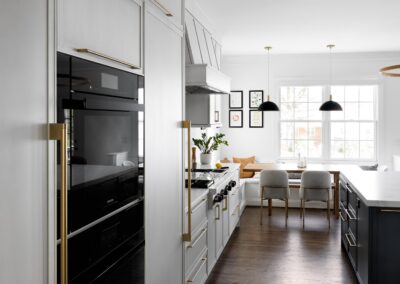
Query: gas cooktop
[199, 183]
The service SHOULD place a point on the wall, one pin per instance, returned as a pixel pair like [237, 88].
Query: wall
[249, 72]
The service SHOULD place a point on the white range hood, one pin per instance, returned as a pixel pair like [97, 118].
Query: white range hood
[203, 60]
[204, 79]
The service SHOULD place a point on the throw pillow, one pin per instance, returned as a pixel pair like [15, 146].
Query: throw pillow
[243, 162]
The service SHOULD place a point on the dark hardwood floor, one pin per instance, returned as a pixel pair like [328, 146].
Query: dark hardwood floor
[272, 253]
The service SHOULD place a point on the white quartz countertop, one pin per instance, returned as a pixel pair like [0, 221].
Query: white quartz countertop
[376, 189]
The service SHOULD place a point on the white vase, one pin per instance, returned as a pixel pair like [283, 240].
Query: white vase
[205, 159]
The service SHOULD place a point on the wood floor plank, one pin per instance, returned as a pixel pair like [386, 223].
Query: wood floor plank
[271, 253]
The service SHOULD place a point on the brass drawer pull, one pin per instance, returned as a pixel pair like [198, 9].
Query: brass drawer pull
[226, 204]
[203, 261]
[165, 10]
[351, 243]
[105, 56]
[199, 205]
[341, 216]
[391, 210]
[203, 231]
[350, 217]
[219, 212]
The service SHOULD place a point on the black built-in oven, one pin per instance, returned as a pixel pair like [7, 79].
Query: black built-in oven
[103, 109]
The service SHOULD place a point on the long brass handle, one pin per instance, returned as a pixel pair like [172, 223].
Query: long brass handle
[187, 237]
[219, 212]
[341, 217]
[203, 260]
[192, 244]
[162, 7]
[226, 204]
[105, 56]
[391, 210]
[59, 132]
[349, 215]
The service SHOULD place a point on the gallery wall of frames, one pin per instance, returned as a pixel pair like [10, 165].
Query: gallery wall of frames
[236, 113]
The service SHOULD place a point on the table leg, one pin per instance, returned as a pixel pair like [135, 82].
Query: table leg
[336, 195]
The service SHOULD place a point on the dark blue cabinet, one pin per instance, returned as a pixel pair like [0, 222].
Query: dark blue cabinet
[370, 237]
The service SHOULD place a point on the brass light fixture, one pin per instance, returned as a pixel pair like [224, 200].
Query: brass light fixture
[387, 71]
[330, 105]
[268, 105]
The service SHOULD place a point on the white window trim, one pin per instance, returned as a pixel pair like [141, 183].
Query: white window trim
[325, 158]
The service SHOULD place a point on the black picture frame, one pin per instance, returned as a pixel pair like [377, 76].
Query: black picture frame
[241, 99]
[257, 93]
[240, 113]
[251, 122]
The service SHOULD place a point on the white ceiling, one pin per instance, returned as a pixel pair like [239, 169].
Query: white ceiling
[304, 26]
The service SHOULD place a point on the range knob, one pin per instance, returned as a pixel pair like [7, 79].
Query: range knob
[232, 183]
[218, 198]
[228, 187]
[224, 191]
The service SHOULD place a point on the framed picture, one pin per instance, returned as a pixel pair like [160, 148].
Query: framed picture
[256, 98]
[236, 99]
[256, 119]
[236, 118]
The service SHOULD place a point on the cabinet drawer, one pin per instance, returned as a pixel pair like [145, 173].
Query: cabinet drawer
[352, 247]
[194, 249]
[198, 275]
[233, 200]
[343, 193]
[234, 218]
[199, 213]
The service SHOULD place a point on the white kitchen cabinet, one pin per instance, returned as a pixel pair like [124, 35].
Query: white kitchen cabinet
[163, 150]
[111, 28]
[171, 9]
[27, 186]
[204, 110]
[215, 239]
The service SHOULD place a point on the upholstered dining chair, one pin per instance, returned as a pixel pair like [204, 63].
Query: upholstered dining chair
[315, 186]
[274, 185]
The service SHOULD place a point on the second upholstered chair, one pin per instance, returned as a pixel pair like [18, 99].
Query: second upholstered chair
[315, 185]
[274, 184]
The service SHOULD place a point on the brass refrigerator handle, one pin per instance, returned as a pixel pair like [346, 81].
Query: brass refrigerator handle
[105, 56]
[187, 237]
[58, 131]
[165, 10]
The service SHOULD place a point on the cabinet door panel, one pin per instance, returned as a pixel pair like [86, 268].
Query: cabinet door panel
[110, 27]
[387, 250]
[164, 170]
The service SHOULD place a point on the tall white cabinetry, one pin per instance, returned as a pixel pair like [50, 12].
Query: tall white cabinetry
[27, 85]
[109, 28]
[163, 149]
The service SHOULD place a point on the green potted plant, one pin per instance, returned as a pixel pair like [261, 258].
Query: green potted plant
[207, 145]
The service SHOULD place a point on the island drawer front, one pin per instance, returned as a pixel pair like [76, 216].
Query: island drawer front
[198, 274]
[199, 214]
[234, 218]
[343, 193]
[233, 199]
[194, 249]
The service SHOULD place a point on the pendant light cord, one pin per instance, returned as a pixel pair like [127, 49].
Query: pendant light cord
[268, 74]
[330, 46]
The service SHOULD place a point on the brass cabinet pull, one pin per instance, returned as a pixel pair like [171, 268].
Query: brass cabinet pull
[199, 205]
[387, 71]
[59, 132]
[391, 210]
[219, 212]
[341, 216]
[349, 215]
[162, 7]
[105, 56]
[351, 243]
[187, 237]
[226, 204]
[203, 261]
[203, 231]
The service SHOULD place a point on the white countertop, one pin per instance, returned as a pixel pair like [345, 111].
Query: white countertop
[376, 189]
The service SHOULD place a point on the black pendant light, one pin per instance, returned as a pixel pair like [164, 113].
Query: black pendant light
[330, 105]
[268, 105]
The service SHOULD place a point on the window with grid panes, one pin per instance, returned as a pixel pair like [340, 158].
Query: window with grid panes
[353, 131]
[301, 121]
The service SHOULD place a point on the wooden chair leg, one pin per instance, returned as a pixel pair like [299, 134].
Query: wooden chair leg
[286, 211]
[328, 213]
[301, 208]
[269, 207]
[304, 212]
